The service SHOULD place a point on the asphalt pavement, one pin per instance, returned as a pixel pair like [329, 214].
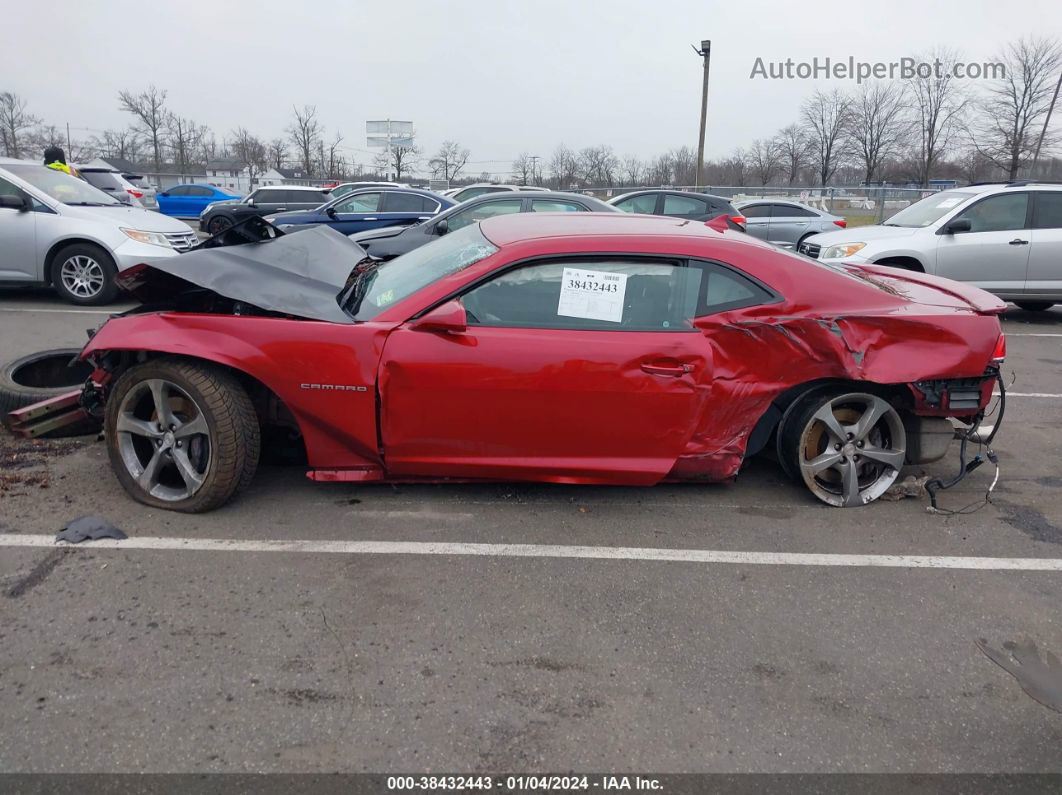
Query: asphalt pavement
[531, 627]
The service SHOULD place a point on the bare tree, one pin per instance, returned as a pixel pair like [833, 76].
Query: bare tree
[825, 116]
[184, 137]
[334, 165]
[765, 159]
[598, 165]
[250, 150]
[792, 150]
[448, 161]
[305, 134]
[40, 138]
[1012, 114]
[661, 171]
[938, 104]
[278, 152]
[402, 160]
[684, 165]
[14, 120]
[878, 125]
[564, 165]
[736, 167]
[524, 168]
[633, 170]
[149, 109]
[124, 144]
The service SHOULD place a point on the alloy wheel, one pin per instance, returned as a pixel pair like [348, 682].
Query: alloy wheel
[82, 276]
[851, 449]
[163, 440]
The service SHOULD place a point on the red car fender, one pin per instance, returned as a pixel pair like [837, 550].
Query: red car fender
[325, 373]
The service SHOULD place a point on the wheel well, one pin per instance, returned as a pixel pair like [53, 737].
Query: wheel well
[907, 263]
[49, 258]
[768, 422]
[271, 411]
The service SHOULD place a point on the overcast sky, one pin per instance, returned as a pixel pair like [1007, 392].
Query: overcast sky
[499, 77]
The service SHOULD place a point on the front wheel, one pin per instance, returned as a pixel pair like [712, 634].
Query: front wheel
[1034, 306]
[85, 274]
[181, 435]
[847, 448]
[218, 224]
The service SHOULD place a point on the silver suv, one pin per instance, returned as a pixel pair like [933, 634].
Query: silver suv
[59, 230]
[1004, 237]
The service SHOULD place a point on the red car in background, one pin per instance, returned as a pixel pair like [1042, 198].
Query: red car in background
[568, 348]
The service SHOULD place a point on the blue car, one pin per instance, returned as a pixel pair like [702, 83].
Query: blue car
[367, 208]
[188, 201]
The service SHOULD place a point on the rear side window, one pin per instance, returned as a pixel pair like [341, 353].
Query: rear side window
[554, 206]
[684, 205]
[305, 197]
[1048, 210]
[396, 202]
[756, 211]
[198, 190]
[725, 289]
[590, 294]
[791, 211]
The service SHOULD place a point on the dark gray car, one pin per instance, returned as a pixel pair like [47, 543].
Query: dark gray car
[219, 216]
[786, 223]
[390, 242]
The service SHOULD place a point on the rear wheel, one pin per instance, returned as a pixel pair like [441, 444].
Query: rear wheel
[1034, 306]
[181, 435]
[847, 448]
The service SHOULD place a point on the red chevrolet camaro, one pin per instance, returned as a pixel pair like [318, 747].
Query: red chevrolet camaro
[577, 348]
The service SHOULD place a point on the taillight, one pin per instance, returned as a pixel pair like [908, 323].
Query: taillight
[738, 219]
[841, 223]
[1000, 353]
[135, 193]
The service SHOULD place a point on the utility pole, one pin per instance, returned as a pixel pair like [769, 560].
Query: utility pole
[534, 168]
[69, 149]
[706, 53]
[1043, 132]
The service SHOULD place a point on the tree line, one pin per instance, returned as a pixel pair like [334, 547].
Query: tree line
[902, 131]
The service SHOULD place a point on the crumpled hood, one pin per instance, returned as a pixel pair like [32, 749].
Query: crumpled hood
[299, 273]
[863, 234]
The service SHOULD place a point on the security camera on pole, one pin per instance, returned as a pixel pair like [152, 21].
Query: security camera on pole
[387, 134]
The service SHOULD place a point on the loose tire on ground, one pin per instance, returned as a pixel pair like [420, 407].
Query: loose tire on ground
[42, 376]
[230, 437]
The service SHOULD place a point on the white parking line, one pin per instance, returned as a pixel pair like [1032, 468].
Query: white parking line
[1032, 394]
[1023, 334]
[62, 311]
[548, 551]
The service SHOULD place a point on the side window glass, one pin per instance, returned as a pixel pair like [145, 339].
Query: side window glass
[1049, 210]
[178, 190]
[196, 190]
[998, 213]
[359, 203]
[638, 204]
[591, 295]
[549, 206]
[725, 289]
[683, 206]
[756, 211]
[485, 210]
[395, 202]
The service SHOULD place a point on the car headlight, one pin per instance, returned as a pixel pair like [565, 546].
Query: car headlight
[153, 238]
[842, 250]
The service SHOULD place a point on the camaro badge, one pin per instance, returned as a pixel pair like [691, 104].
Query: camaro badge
[335, 387]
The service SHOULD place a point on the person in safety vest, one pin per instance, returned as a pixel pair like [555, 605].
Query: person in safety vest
[54, 157]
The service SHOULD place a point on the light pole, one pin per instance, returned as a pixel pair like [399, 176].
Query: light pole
[706, 53]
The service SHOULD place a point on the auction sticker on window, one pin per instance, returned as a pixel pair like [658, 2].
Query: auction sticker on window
[595, 295]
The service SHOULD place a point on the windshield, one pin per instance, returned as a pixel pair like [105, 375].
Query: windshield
[398, 279]
[62, 187]
[930, 209]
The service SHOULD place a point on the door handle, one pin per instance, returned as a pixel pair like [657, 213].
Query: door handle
[280, 209]
[1019, 242]
[370, 219]
[672, 370]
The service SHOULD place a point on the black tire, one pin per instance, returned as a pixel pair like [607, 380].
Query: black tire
[233, 435]
[106, 292]
[218, 224]
[800, 242]
[1034, 306]
[42, 376]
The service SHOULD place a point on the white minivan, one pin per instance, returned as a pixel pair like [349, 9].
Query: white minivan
[59, 230]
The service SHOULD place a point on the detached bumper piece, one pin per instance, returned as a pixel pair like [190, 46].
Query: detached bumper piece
[49, 416]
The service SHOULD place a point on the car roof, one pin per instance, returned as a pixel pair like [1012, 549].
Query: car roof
[294, 187]
[503, 230]
[670, 191]
[377, 188]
